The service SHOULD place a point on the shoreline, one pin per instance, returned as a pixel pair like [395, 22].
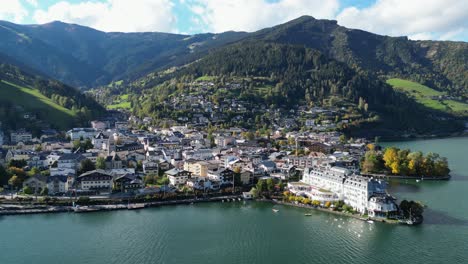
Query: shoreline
[423, 137]
[47, 209]
[325, 210]
[400, 177]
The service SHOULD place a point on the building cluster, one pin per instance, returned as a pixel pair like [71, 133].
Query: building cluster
[136, 161]
[198, 108]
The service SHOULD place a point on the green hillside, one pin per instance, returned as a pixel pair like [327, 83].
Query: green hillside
[429, 97]
[32, 101]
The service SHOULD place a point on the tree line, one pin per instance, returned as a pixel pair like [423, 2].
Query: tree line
[403, 162]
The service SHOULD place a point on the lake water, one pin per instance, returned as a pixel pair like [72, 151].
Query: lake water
[251, 233]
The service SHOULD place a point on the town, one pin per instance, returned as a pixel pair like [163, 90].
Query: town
[111, 160]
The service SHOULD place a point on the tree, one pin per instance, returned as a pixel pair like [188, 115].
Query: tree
[415, 163]
[270, 185]
[87, 165]
[45, 191]
[372, 162]
[343, 139]
[76, 144]
[261, 187]
[15, 181]
[390, 158]
[3, 176]
[101, 163]
[17, 163]
[87, 144]
[34, 171]
[28, 190]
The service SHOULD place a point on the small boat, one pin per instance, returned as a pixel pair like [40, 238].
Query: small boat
[308, 214]
[370, 221]
[417, 180]
[239, 199]
[222, 201]
[275, 210]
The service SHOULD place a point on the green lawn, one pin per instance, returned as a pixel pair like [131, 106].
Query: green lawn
[206, 78]
[424, 94]
[121, 103]
[35, 102]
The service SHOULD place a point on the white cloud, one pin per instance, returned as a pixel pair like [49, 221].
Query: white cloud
[418, 19]
[32, 2]
[251, 15]
[12, 10]
[114, 15]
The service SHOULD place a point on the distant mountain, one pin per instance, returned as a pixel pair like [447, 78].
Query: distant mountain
[85, 57]
[30, 100]
[439, 64]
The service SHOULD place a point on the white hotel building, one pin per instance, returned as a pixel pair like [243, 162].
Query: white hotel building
[335, 183]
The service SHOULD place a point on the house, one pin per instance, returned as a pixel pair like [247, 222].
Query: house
[382, 206]
[246, 177]
[150, 167]
[178, 177]
[20, 136]
[128, 183]
[58, 184]
[100, 140]
[36, 183]
[199, 168]
[98, 180]
[202, 184]
[38, 161]
[81, 133]
[113, 162]
[223, 175]
[267, 166]
[70, 161]
[164, 165]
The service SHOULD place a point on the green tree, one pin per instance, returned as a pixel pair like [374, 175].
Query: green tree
[15, 181]
[28, 190]
[86, 165]
[270, 184]
[100, 163]
[372, 162]
[261, 187]
[34, 171]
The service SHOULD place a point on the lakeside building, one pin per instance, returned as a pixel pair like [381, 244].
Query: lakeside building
[98, 180]
[326, 183]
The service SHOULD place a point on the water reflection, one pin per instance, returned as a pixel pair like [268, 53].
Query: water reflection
[436, 217]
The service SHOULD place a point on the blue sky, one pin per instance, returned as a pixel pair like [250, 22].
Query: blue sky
[418, 19]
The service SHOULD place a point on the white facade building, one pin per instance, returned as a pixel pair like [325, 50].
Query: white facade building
[81, 133]
[354, 190]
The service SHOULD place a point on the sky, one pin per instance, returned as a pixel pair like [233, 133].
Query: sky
[417, 19]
